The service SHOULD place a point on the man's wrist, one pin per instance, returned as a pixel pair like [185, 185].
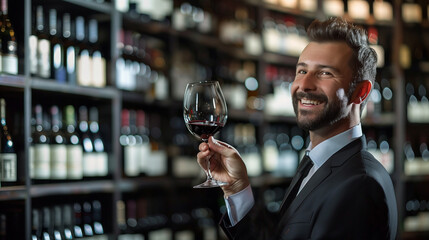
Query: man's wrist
[235, 187]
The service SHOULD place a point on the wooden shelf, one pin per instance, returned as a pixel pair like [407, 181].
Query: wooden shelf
[52, 86]
[13, 193]
[80, 187]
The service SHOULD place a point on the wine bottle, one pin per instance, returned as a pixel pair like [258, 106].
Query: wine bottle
[43, 46]
[130, 168]
[36, 227]
[58, 149]
[83, 61]
[387, 94]
[40, 162]
[57, 53]
[89, 160]
[47, 225]
[288, 153]
[77, 221]
[67, 214]
[133, 149]
[97, 221]
[69, 49]
[73, 145]
[9, 46]
[87, 220]
[101, 158]
[373, 41]
[98, 61]
[57, 219]
[32, 43]
[8, 156]
[145, 147]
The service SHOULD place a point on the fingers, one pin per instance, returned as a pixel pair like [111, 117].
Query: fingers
[203, 155]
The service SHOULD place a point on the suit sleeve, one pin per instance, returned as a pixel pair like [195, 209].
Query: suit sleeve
[258, 224]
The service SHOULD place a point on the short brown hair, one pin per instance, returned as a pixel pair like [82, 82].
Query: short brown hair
[364, 59]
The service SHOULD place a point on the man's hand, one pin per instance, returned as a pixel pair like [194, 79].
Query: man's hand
[226, 165]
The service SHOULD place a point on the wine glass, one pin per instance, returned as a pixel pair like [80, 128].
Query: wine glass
[205, 113]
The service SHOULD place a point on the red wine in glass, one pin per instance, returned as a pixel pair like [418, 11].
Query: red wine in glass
[205, 113]
[204, 129]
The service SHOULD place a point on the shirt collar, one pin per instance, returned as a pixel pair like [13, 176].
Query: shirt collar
[323, 151]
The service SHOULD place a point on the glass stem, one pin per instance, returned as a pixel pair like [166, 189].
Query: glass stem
[209, 172]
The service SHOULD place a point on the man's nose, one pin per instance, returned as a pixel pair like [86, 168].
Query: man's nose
[307, 82]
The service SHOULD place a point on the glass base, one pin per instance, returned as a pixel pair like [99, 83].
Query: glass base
[211, 183]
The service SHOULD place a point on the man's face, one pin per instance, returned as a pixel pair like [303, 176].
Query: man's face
[322, 81]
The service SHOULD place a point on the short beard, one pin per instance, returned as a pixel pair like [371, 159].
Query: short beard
[332, 113]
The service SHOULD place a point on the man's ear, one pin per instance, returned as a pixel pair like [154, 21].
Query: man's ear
[361, 91]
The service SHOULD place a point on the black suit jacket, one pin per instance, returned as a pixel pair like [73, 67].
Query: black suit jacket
[351, 196]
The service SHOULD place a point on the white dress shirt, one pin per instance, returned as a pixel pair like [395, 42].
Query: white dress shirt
[239, 204]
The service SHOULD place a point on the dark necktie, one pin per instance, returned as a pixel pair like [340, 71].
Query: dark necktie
[303, 169]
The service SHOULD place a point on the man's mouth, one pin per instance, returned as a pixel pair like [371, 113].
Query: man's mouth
[307, 102]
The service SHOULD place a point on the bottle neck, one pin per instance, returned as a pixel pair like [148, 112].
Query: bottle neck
[80, 28]
[66, 26]
[3, 112]
[39, 19]
[4, 7]
[53, 22]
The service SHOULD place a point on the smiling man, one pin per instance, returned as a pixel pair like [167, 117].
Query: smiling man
[340, 190]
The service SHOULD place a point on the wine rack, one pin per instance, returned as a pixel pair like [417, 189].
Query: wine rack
[161, 49]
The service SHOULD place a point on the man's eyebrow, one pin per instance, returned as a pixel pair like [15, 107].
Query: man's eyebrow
[301, 64]
[319, 66]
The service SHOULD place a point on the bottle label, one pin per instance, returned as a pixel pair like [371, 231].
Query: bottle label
[131, 160]
[44, 63]
[33, 54]
[8, 167]
[98, 70]
[144, 153]
[58, 161]
[158, 163]
[90, 164]
[74, 162]
[102, 167]
[10, 60]
[42, 161]
[84, 69]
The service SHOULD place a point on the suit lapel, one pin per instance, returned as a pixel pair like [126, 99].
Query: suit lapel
[315, 180]
[321, 174]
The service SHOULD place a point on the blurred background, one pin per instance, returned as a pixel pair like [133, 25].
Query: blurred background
[93, 142]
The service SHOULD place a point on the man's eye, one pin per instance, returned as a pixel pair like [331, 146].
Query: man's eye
[301, 72]
[326, 73]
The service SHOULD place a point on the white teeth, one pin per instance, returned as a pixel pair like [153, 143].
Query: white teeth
[312, 102]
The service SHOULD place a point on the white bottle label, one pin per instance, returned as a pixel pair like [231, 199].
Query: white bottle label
[270, 156]
[32, 40]
[84, 69]
[89, 164]
[144, 153]
[157, 165]
[102, 167]
[8, 167]
[74, 162]
[44, 63]
[58, 161]
[10, 61]
[253, 163]
[98, 70]
[42, 161]
[131, 160]
[31, 162]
